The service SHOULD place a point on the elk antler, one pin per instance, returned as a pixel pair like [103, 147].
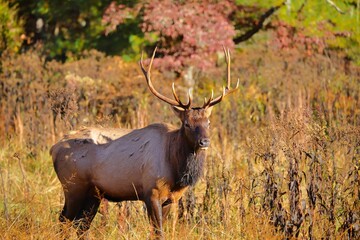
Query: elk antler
[176, 102]
[226, 90]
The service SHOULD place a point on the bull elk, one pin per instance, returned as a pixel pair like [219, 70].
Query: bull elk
[155, 164]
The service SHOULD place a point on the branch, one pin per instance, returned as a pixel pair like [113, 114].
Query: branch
[334, 6]
[256, 28]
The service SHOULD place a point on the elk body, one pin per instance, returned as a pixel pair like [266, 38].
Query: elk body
[155, 164]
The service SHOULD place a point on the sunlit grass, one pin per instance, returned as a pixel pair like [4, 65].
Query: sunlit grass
[228, 200]
[287, 128]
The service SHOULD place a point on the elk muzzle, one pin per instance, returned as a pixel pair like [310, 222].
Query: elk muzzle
[204, 143]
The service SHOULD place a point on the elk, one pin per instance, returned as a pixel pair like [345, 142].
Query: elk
[155, 164]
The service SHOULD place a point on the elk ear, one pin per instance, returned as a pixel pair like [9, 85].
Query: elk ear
[178, 111]
[208, 111]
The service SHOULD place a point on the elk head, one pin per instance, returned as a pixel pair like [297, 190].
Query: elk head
[195, 120]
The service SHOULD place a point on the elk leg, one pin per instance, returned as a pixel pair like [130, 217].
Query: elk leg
[175, 218]
[74, 200]
[154, 210]
[166, 208]
[85, 216]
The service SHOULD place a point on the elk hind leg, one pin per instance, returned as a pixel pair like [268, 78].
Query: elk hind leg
[74, 200]
[89, 209]
[73, 204]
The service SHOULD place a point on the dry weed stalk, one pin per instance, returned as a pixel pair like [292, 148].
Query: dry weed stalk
[283, 155]
[64, 104]
[312, 188]
[5, 204]
[272, 197]
[296, 217]
[350, 199]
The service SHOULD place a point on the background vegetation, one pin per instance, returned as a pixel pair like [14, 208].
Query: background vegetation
[285, 155]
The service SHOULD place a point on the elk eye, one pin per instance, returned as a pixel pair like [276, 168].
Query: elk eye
[187, 124]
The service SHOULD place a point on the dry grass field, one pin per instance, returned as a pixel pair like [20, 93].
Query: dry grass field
[284, 160]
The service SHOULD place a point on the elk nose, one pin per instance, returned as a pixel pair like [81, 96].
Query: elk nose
[204, 143]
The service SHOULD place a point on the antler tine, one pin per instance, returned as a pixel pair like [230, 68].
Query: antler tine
[228, 61]
[226, 90]
[189, 101]
[185, 106]
[206, 103]
[174, 93]
[147, 75]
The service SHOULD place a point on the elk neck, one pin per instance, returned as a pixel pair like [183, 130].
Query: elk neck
[186, 161]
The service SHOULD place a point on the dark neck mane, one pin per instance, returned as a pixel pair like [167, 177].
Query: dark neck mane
[186, 161]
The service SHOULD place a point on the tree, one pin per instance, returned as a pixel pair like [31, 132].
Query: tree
[10, 27]
[193, 30]
[319, 25]
[65, 28]
[185, 31]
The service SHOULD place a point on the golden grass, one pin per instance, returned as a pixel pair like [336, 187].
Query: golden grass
[229, 201]
[284, 159]
[32, 198]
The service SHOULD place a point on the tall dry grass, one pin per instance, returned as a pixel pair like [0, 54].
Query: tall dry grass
[283, 163]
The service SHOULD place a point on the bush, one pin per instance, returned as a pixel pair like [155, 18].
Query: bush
[11, 27]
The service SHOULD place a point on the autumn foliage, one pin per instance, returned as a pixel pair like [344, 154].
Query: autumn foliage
[284, 158]
[188, 32]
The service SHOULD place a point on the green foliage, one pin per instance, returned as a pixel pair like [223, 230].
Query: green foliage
[337, 22]
[137, 42]
[66, 28]
[10, 27]
[313, 25]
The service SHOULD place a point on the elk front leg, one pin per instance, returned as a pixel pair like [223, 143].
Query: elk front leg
[154, 209]
[174, 206]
